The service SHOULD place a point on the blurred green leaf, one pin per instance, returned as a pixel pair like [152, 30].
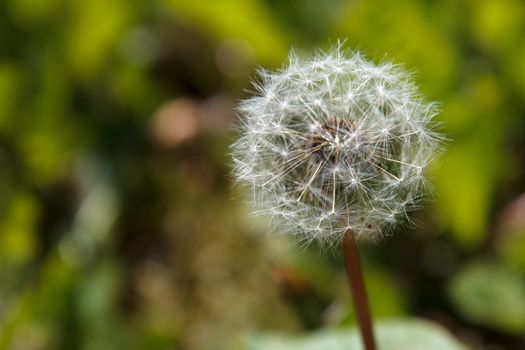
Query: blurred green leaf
[96, 303]
[403, 31]
[96, 27]
[33, 317]
[515, 67]
[497, 24]
[391, 335]
[17, 240]
[246, 19]
[490, 294]
[465, 184]
[10, 81]
[28, 12]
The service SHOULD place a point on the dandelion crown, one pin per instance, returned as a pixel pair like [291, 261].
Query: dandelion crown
[334, 144]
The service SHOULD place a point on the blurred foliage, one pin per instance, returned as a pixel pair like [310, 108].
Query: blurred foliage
[119, 227]
[500, 303]
[391, 335]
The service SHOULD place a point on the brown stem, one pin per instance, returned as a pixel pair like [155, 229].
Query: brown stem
[357, 285]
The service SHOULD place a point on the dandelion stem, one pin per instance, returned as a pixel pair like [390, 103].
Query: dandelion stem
[358, 288]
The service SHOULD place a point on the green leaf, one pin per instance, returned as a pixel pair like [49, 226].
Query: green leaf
[490, 294]
[391, 335]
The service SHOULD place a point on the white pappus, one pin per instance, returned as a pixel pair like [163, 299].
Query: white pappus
[333, 143]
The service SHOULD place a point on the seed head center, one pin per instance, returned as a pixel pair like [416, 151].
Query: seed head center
[330, 142]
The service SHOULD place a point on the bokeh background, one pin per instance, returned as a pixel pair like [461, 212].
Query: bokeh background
[119, 224]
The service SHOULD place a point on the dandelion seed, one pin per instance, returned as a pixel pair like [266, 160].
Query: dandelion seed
[352, 140]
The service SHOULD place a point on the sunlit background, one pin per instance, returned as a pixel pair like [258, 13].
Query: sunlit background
[119, 224]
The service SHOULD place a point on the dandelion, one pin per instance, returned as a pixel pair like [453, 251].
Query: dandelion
[334, 144]
[334, 148]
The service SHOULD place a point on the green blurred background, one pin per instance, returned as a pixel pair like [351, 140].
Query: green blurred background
[119, 227]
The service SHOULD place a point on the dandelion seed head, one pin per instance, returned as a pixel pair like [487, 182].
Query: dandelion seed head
[334, 143]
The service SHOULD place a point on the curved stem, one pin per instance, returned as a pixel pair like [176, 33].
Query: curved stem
[359, 295]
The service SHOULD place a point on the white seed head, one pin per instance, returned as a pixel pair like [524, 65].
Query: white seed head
[334, 143]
